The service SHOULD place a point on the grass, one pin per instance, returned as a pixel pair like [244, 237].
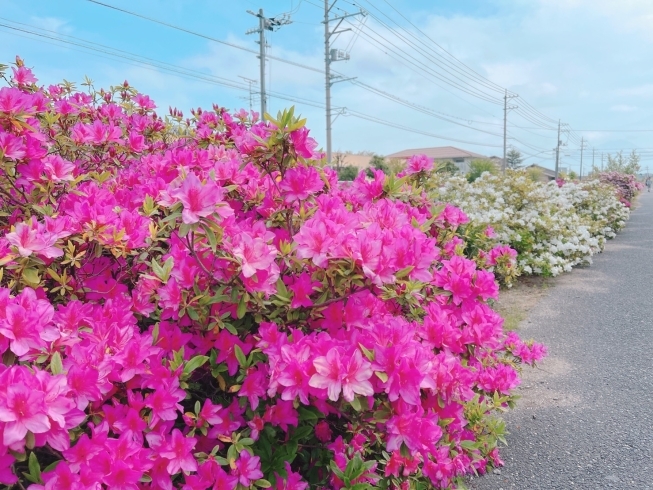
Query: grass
[515, 303]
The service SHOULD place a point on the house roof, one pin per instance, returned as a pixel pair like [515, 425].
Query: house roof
[545, 171]
[437, 153]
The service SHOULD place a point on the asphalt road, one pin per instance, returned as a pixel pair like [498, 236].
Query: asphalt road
[585, 419]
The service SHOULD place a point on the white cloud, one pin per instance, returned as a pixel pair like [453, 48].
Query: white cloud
[623, 108]
[52, 24]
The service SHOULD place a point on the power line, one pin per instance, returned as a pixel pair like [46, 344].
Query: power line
[404, 57]
[431, 55]
[211, 80]
[204, 36]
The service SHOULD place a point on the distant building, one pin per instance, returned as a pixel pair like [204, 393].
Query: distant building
[345, 159]
[461, 158]
[546, 173]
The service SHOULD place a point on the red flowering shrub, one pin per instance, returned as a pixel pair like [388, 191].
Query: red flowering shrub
[196, 303]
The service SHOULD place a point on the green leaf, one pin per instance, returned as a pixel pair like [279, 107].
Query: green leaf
[192, 313]
[240, 355]
[56, 366]
[51, 466]
[262, 483]
[382, 376]
[31, 276]
[356, 404]
[336, 470]
[368, 353]
[282, 291]
[34, 468]
[469, 445]
[194, 363]
[404, 272]
[309, 414]
[302, 433]
[242, 307]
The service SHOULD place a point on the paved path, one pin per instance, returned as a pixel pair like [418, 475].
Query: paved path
[586, 418]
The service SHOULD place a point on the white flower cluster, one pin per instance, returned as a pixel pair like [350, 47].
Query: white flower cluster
[552, 228]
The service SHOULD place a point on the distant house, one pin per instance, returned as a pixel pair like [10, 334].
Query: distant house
[547, 174]
[461, 158]
[345, 159]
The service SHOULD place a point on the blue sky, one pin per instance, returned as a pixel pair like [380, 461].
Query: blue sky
[586, 62]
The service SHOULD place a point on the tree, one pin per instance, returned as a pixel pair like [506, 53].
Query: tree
[478, 167]
[337, 160]
[348, 172]
[625, 165]
[447, 167]
[535, 174]
[378, 163]
[514, 158]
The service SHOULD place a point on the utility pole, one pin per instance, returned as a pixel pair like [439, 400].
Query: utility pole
[582, 146]
[331, 56]
[558, 150]
[593, 167]
[601, 161]
[265, 24]
[250, 82]
[504, 164]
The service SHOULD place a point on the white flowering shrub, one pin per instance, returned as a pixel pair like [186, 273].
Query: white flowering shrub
[553, 227]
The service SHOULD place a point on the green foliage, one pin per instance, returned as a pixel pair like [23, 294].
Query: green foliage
[535, 174]
[478, 167]
[347, 173]
[447, 167]
[625, 165]
[514, 158]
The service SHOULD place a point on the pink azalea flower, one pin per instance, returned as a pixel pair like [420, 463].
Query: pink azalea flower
[122, 477]
[23, 75]
[7, 476]
[314, 242]
[254, 386]
[300, 182]
[255, 254]
[247, 468]
[302, 287]
[179, 453]
[293, 481]
[199, 200]
[303, 143]
[418, 163]
[57, 169]
[335, 376]
[23, 410]
[11, 146]
[19, 327]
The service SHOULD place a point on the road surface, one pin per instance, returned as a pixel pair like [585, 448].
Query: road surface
[585, 419]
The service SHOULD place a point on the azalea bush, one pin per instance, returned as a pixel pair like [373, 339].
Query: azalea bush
[196, 303]
[626, 185]
[552, 226]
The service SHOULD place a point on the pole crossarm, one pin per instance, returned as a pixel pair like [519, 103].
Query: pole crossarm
[340, 79]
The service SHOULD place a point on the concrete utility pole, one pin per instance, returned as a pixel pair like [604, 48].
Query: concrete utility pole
[601, 161]
[265, 24]
[582, 146]
[331, 56]
[558, 150]
[250, 82]
[592, 159]
[504, 164]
